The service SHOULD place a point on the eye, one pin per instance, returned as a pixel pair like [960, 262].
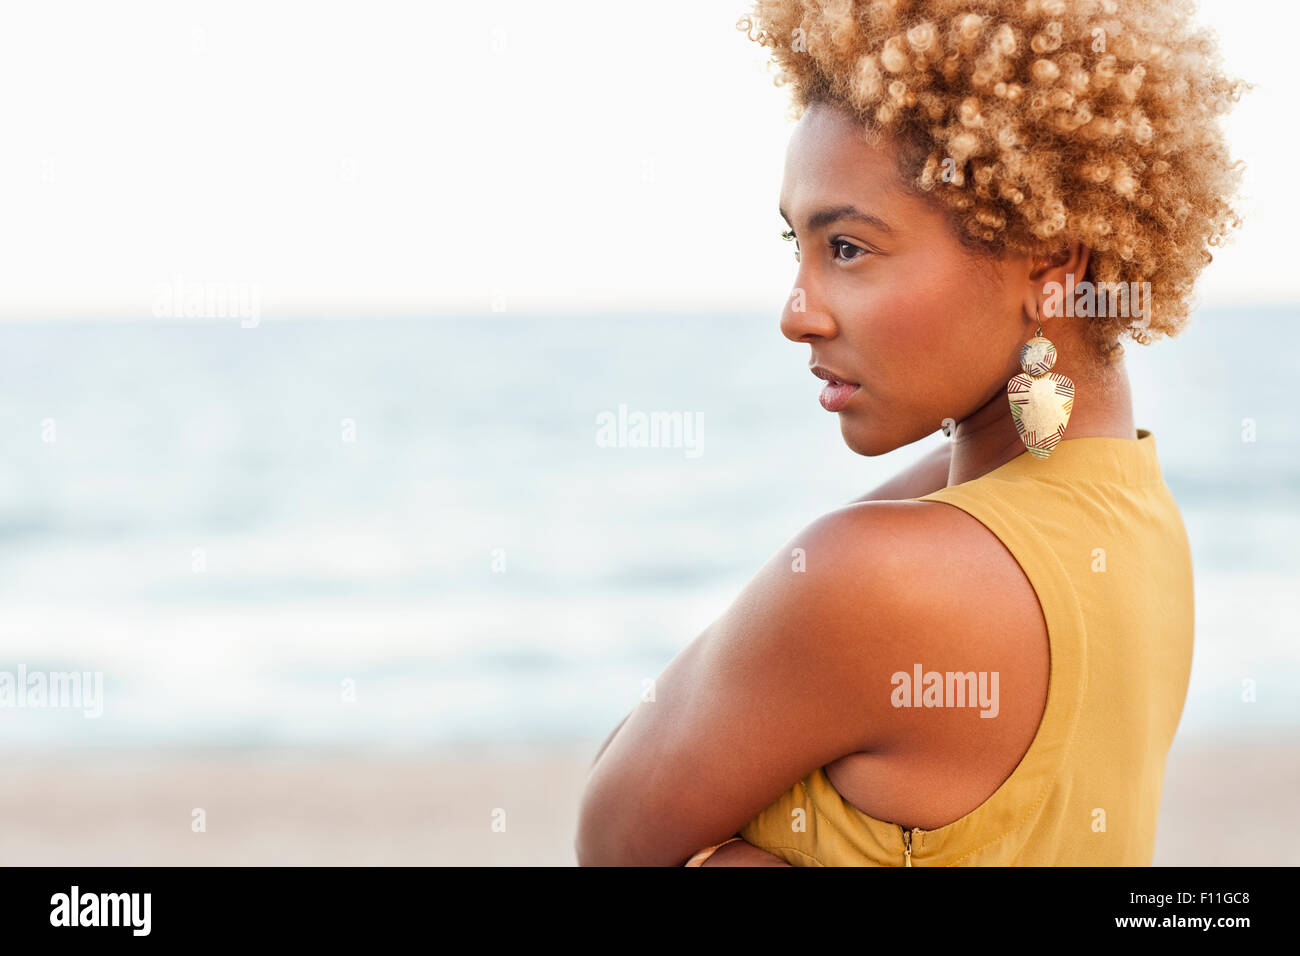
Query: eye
[851, 250]
[788, 236]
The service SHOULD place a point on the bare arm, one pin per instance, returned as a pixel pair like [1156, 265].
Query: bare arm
[737, 853]
[927, 475]
[770, 691]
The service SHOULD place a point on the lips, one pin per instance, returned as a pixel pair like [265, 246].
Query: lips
[838, 390]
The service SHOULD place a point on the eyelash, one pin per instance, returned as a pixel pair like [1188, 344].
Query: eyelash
[788, 236]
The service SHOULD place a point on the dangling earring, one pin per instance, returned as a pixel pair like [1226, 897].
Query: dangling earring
[1041, 400]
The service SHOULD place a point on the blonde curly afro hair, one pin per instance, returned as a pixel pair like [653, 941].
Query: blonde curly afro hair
[1036, 123]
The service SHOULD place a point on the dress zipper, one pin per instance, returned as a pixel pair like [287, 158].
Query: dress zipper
[907, 845]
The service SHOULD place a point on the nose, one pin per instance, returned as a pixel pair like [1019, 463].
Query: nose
[803, 319]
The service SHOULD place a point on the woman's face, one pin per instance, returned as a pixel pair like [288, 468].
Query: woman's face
[888, 298]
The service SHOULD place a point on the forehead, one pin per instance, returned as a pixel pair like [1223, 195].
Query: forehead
[830, 159]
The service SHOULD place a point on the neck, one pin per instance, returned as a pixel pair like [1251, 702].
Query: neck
[987, 439]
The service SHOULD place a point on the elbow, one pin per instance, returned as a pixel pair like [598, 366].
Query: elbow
[599, 842]
[592, 844]
[583, 850]
[604, 836]
[618, 825]
[582, 843]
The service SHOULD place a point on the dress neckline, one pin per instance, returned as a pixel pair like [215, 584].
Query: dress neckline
[1127, 461]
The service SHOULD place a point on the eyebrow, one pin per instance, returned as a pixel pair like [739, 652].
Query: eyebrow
[824, 217]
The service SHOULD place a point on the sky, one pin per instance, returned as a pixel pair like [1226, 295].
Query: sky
[418, 158]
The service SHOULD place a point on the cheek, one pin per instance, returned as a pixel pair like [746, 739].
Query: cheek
[927, 326]
[931, 340]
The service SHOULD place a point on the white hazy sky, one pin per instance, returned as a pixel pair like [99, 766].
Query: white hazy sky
[401, 157]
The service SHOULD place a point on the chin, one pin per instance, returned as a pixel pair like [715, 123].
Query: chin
[865, 440]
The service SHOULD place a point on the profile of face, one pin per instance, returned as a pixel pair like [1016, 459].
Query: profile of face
[886, 294]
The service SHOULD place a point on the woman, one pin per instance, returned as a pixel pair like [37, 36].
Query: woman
[984, 661]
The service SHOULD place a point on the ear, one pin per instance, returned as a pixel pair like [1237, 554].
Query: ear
[1051, 276]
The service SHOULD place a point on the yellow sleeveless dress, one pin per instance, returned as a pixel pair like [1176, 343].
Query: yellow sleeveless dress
[1101, 541]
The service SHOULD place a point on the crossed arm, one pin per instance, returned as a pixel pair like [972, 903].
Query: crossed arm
[768, 693]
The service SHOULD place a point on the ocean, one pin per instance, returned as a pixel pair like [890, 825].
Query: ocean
[457, 533]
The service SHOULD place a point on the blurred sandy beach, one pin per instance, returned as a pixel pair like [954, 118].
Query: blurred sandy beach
[1222, 806]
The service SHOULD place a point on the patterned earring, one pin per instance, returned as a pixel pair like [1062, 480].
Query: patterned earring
[1041, 400]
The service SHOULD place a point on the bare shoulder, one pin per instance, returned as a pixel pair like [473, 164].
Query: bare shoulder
[941, 563]
[927, 585]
